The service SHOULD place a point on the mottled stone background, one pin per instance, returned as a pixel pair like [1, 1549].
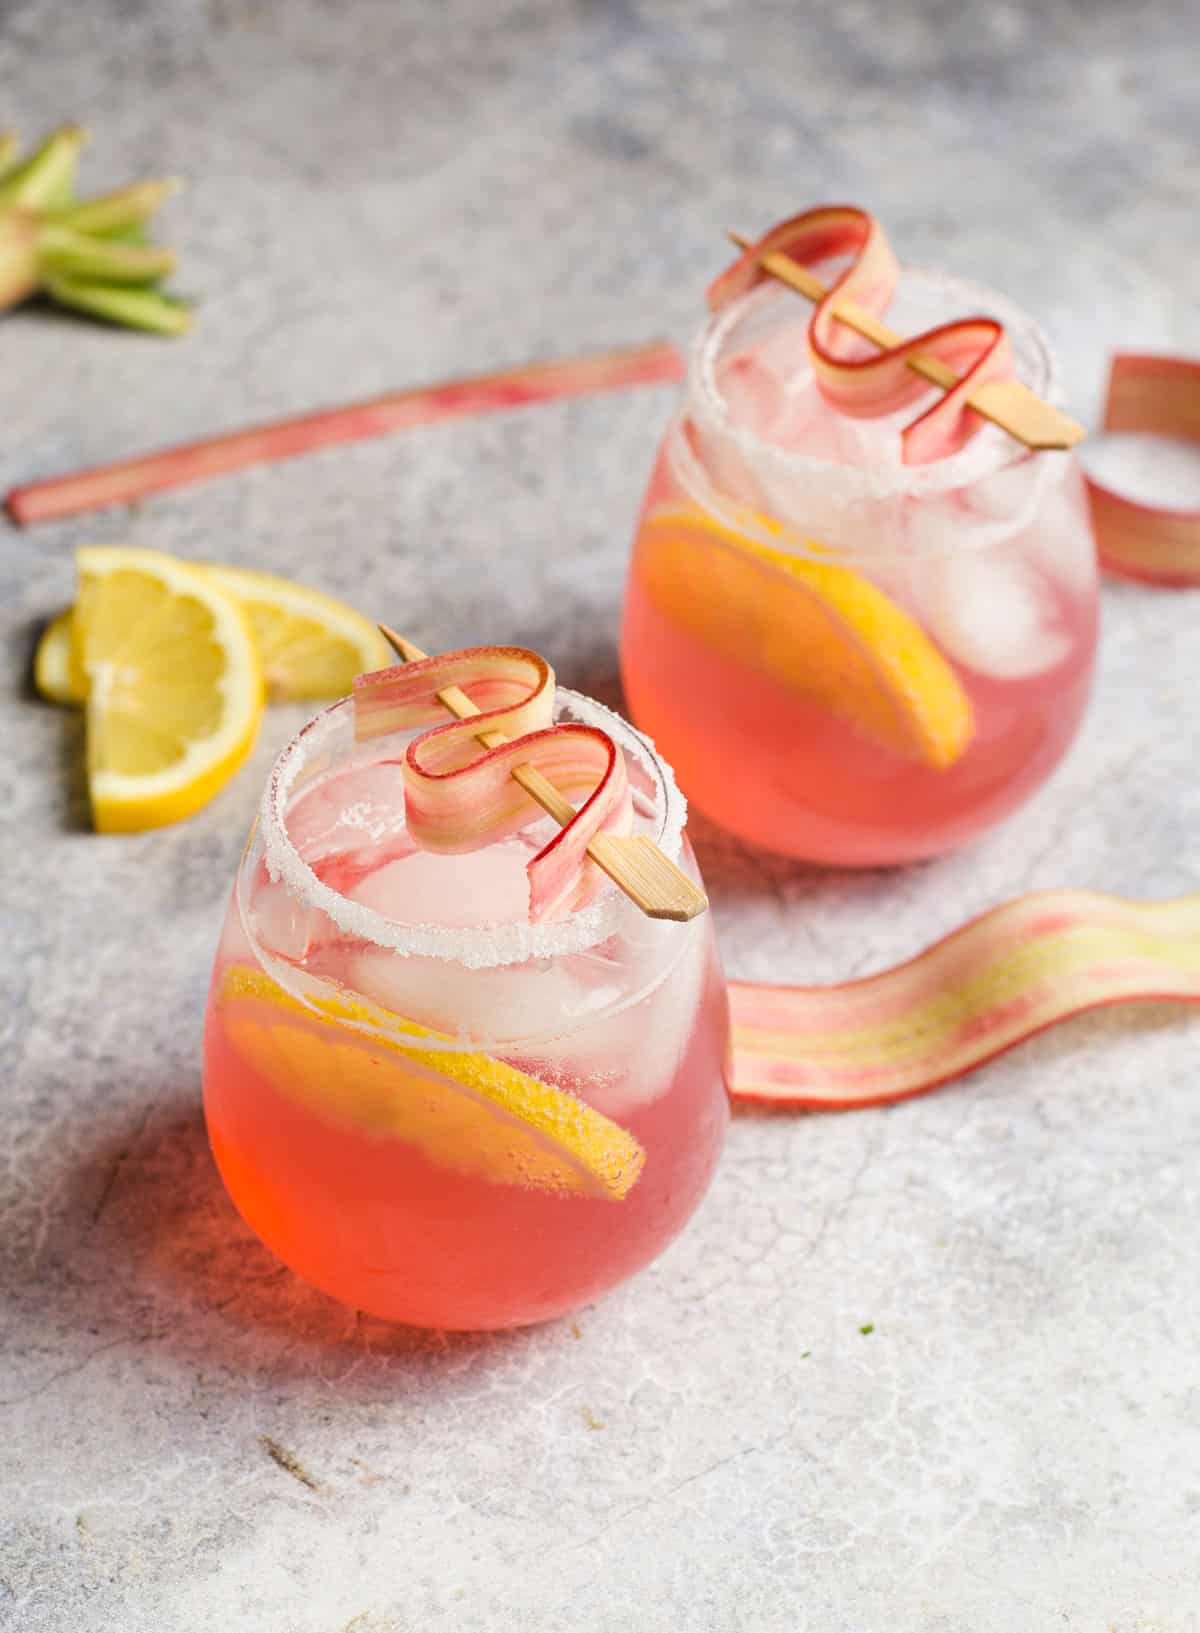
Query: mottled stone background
[383, 193]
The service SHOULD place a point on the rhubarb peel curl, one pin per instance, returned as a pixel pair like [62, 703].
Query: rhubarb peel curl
[868, 386]
[461, 796]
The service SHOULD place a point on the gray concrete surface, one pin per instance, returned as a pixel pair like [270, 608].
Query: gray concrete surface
[384, 193]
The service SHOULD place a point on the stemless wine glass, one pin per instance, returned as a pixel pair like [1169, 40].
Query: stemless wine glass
[427, 1106]
[848, 659]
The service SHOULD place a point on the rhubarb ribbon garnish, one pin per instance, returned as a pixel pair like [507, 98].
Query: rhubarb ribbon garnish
[867, 386]
[460, 796]
[1161, 396]
[990, 985]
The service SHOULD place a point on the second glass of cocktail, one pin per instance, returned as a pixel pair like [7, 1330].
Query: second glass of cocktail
[852, 655]
[426, 1104]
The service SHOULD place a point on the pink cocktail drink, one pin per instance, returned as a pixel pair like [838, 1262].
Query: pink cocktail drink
[850, 659]
[427, 1106]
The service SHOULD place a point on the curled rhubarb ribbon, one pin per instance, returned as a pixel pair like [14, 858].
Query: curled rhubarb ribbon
[1159, 395]
[460, 797]
[866, 387]
[988, 986]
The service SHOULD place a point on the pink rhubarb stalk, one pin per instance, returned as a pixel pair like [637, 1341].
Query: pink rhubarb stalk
[121, 483]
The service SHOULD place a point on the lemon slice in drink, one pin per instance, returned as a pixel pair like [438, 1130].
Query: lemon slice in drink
[174, 687]
[815, 627]
[365, 1068]
[310, 645]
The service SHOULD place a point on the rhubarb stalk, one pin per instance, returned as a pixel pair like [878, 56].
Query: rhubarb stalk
[127, 480]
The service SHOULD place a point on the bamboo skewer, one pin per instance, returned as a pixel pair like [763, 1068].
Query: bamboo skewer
[1006, 403]
[634, 863]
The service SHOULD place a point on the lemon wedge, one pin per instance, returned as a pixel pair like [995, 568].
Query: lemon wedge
[310, 645]
[816, 627]
[363, 1067]
[56, 671]
[174, 686]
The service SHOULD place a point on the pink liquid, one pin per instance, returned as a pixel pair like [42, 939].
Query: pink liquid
[401, 1229]
[787, 772]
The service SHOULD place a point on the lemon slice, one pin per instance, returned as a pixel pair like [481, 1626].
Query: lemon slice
[174, 686]
[310, 644]
[56, 671]
[364, 1067]
[816, 627]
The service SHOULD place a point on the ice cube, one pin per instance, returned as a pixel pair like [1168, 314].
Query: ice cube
[359, 807]
[992, 612]
[630, 1055]
[235, 947]
[868, 443]
[786, 351]
[726, 467]
[419, 989]
[801, 494]
[1060, 539]
[489, 1006]
[488, 886]
[753, 396]
[565, 1020]
[806, 424]
[939, 524]
[753, 392]
[283, 923]
[797, 496]
[1003, 494]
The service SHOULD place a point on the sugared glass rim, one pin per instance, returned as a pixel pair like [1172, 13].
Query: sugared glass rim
[989, 451]
[473, 947]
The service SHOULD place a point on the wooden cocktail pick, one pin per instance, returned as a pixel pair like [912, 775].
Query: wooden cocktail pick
[634, 862]
[1007, 403]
